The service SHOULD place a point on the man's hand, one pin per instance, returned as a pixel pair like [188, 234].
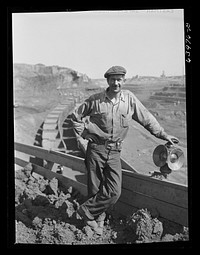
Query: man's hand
[172, 139]
[91, 138]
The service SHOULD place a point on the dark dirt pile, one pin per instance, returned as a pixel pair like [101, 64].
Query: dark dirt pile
[46, 214]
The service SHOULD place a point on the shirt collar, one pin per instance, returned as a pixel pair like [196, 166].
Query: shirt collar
[122, 97]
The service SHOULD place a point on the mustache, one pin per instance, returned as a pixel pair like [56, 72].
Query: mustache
[115, 86]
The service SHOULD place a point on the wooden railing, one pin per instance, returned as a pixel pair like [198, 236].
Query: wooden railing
[163, 199]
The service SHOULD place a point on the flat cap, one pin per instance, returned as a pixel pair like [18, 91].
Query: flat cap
[115, 70]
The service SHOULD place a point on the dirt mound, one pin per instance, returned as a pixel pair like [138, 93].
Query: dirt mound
[145, 228]
[46, 213]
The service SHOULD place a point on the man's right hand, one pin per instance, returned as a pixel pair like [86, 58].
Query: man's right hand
[91, 138]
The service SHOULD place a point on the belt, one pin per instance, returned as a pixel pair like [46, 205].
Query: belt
[109, 144]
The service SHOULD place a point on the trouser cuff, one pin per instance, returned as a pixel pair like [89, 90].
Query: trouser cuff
[84, 212]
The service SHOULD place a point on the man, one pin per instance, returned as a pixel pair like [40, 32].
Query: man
[109, 113]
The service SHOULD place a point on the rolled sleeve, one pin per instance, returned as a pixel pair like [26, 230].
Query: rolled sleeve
[147, 120]
[78, 115]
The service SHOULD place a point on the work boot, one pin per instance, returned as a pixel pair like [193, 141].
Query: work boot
[100, 223]
[98, 231]
[100, 220]
[94, 226]
[91, 223]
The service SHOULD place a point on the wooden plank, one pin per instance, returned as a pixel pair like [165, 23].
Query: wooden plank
[51, 134]
[53, 156]
[67, 128]
[52, 116]
[126, 165]
[47, 126]
[155, 206]
[49, 130]
[66, 181]
[22, 163]
[75, 175]
[49, 144]
[55, 112]
[124, 209]
[153, 180]
[51, 121]
[169, 194]
[78, 163]
[60, 108]
[69, 137]
[62, 118]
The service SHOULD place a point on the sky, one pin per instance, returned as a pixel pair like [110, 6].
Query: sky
[145, 42]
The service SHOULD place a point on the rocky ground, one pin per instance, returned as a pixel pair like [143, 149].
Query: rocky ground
[45, 213]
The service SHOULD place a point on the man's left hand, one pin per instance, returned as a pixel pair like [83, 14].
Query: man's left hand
[172, 139]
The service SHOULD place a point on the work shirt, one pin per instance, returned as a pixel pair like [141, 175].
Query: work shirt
[110, 121]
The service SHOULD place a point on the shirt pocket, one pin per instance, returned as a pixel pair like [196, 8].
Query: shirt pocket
[100, 119]
[100, 115]
[124, 120]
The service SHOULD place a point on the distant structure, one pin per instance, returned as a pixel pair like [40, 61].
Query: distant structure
[163, 74]
[85, 78]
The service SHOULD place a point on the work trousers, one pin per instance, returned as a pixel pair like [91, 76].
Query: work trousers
[104, 179]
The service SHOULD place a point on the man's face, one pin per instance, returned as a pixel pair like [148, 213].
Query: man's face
[115, 82]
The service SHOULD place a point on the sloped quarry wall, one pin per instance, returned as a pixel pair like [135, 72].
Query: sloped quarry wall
[37, 79]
